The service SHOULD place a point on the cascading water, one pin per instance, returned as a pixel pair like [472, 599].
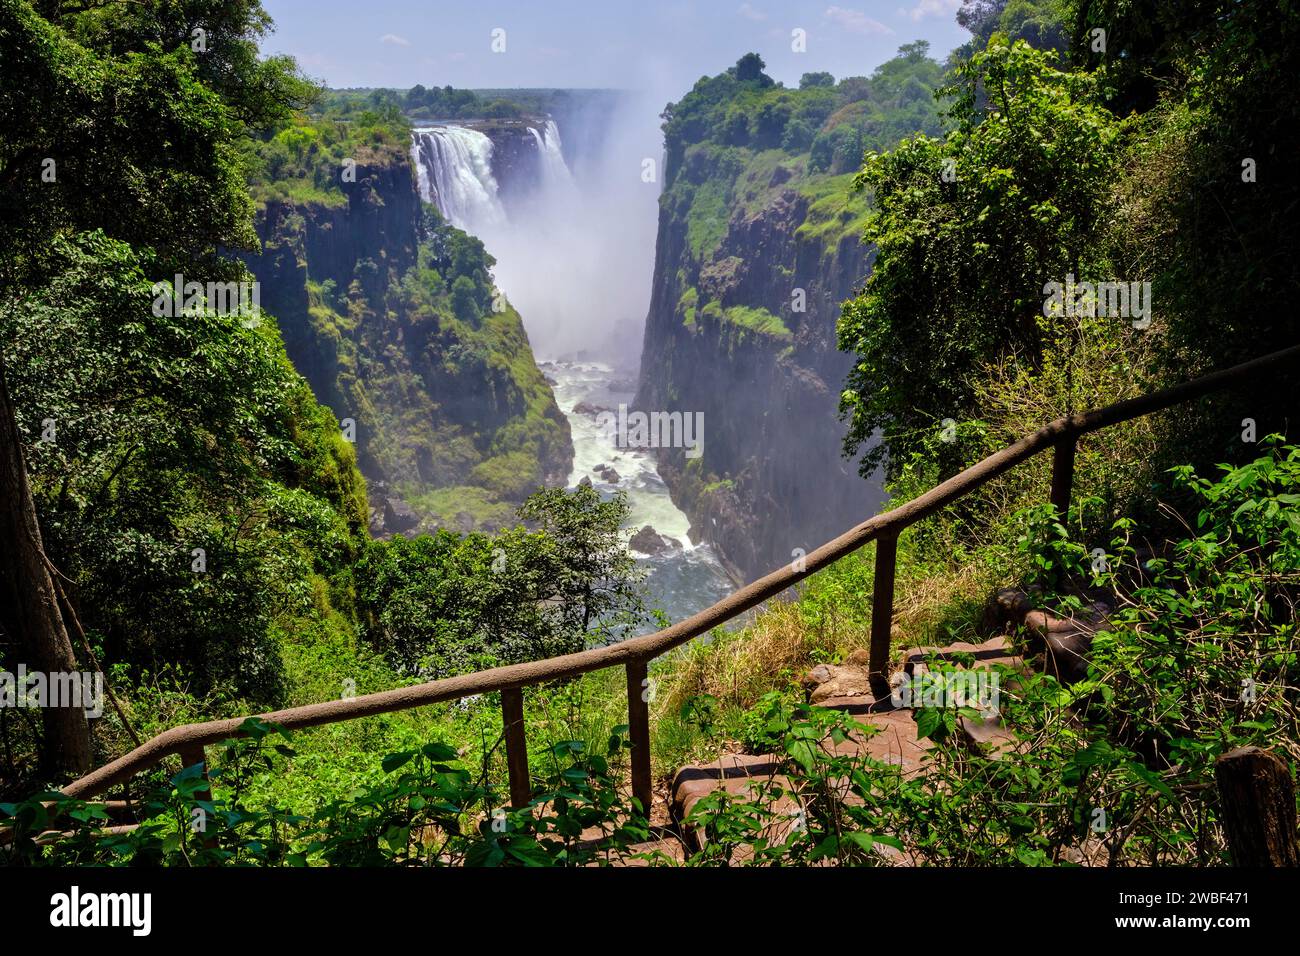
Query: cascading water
[454, 171]
[556, 177]
[574, 257]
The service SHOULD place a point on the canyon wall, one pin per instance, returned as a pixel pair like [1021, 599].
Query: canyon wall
[758, 245]
[724, 337]
[391, 315]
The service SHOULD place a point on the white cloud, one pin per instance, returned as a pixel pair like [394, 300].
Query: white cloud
[855, 21]
[394, 39]
[934, 8]
[749, 13]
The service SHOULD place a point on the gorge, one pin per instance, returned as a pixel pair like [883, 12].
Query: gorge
[753, 249]
[513, 187]
[590, 257]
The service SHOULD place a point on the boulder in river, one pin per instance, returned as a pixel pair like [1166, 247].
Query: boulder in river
[650, 541]
[607, 474]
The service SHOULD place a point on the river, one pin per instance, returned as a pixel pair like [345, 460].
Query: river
[680, 581]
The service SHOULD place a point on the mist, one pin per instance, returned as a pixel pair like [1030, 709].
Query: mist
[575, 256]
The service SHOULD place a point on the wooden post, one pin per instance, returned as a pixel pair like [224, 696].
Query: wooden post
[882, 613]
[1063, 473]
[638, 722]
[512, 718]
[1257, 804]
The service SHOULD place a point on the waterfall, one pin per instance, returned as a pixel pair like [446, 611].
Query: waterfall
[454, 171]
[574, 249]
[556, 177]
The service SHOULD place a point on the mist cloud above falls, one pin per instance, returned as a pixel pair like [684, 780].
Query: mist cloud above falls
[576, 257]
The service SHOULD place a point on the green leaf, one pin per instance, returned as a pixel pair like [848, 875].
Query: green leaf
[393, 761]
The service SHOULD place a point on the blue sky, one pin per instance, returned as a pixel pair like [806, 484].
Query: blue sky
[650, 44]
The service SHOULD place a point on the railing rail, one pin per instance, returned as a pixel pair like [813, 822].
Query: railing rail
[634, 654]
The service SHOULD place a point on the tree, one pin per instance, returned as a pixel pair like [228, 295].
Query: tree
[30, 606]
[981, 17]
[593, 574]
[749, 69]
[968, 231]
[88, 93]
[444, 604]
[816, 80]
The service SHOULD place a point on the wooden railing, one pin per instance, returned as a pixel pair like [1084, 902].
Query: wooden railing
[636, 653]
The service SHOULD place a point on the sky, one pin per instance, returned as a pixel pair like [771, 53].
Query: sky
[626, 44]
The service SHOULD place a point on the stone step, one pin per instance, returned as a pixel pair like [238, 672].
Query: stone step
[895, 741]
[667, 846]
[993, 652]
[741, 775]
[846, 687]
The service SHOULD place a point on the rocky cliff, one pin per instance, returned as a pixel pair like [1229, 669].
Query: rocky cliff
[754, 256]
[391, 315]
[516, 161]
[758, 246]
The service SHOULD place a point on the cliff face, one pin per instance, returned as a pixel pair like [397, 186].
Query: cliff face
[388, 312]
[726, 336]
[516, 162]
[305, 244]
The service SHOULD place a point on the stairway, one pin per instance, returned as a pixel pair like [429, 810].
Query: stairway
[1058, 646]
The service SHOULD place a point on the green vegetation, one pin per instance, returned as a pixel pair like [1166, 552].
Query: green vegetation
[414, 343]
[1100, 191]
[834, 212]
[302, 163]
[448, 604]
[202, 515]
[195, 502]
[1166, 679]
[422, 104]
[204, 518]
[740, 147]
[947, 210]
[754, 319]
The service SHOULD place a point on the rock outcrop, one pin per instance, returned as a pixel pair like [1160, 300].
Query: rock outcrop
[743, 330]
[428, 380]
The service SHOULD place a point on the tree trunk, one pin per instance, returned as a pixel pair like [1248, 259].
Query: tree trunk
[29, 602]
[1257, 799]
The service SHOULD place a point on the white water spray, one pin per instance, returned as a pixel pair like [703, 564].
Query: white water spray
[557, 180]
[454, 170]
[575, 254]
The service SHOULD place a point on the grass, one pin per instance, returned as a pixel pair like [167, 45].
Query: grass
[748, 318]
[445, 505]
[707, 218]
[756, 319]
[824, 620]
[833, 212]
